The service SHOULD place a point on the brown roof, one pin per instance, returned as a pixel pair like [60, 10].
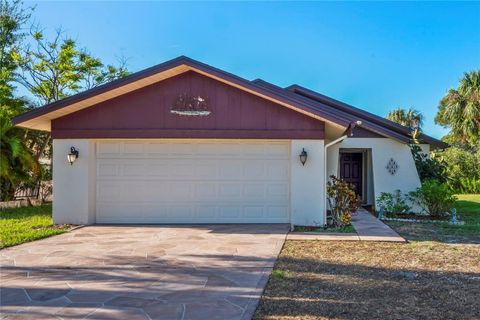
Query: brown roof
[295, 97]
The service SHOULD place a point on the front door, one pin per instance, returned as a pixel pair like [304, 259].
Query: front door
[351, 169]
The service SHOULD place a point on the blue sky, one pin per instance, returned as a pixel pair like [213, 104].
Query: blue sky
[374, 55]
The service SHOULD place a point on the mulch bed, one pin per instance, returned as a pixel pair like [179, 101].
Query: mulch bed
[345, 280]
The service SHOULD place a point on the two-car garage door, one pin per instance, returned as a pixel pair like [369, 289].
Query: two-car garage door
[204, 181]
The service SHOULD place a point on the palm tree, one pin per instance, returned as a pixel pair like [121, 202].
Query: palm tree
[17, 164]
[460, 109]
[410, 118]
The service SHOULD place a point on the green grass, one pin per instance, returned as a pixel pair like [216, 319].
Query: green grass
[346, 229]
[468, 210]
[20, 225]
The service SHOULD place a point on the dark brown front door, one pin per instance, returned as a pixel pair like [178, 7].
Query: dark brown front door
[351, 170]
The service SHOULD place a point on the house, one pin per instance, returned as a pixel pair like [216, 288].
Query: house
[184, 142]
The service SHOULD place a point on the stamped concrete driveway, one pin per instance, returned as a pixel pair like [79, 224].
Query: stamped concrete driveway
[141, 272]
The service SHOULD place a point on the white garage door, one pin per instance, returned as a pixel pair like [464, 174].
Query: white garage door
[192, 182]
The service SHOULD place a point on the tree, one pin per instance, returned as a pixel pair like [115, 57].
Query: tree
[462, 168]
[12, 19]
[17, 164]
[410, 118]
[16, 161]
[459, 110]
[55, 69]
[51, 70]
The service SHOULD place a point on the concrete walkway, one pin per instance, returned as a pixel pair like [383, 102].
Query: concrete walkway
[367, 227]
[370, 228]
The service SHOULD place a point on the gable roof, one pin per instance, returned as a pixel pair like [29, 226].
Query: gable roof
[294, 97]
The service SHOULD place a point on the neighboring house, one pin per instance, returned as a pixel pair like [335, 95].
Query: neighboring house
[184, 142]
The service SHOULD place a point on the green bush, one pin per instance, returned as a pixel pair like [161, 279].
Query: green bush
[468, 185]
[393, 202]
[434, 198]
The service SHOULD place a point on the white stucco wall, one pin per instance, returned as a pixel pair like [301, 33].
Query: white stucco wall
[382, 149]
[74, 185]
[307, 183]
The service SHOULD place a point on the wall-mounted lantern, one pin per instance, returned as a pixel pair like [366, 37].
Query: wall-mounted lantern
[303, 156]
[72, 156]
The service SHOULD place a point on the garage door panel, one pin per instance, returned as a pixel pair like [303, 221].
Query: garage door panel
[230, 212]
[254, 191]
[254, 169]
[254, 212]
[182, 149]
[278, 191]
[230, 170]
[253, 150]
[105, 149]
[107, 170]
[206, 191]
[192, 182]
[206, 169]
[277, 212]
[152, 211]
[277, 171]
[134, 148]
[278, 150]
[134, 170]
[108, 191]
[206, 212]
[158, 170]
[230, 191]
[181, 212]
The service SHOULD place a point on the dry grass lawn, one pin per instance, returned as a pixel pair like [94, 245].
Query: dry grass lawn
[367, 280]
[435, 276]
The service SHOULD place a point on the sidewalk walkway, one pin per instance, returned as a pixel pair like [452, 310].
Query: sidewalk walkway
[370, 228]
[367, 227]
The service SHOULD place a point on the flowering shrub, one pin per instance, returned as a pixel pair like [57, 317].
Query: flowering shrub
[346, 219]
[342, 200]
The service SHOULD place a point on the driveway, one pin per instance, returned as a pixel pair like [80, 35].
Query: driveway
[141, 272]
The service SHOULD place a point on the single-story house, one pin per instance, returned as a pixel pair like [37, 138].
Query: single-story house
[184, 142]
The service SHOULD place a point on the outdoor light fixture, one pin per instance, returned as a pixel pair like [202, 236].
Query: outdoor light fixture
[303, 156]
[73, 155]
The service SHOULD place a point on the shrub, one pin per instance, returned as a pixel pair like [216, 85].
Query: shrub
[434, 198]
[342, 200]
[393, 202]
[468, 185]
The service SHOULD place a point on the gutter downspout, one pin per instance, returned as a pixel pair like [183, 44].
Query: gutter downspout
[325, 178]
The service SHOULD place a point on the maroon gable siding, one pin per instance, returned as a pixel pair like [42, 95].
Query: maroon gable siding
[145, 113]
